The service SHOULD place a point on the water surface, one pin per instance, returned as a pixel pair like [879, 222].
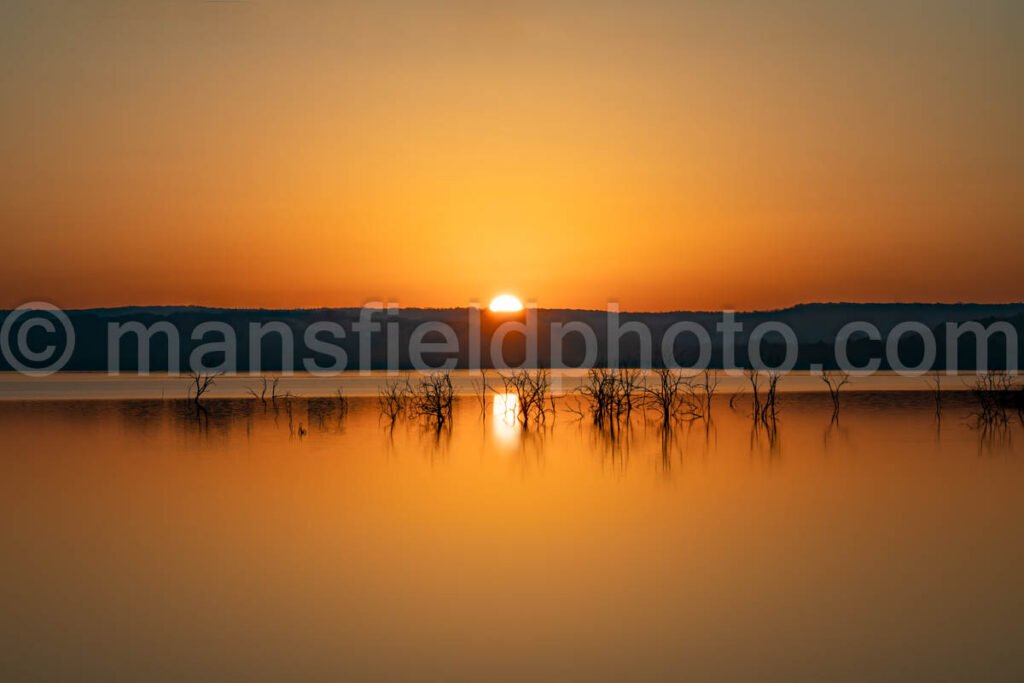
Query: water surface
[300, 543]
[100, 385]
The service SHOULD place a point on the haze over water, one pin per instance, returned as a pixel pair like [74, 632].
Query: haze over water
[142, 543]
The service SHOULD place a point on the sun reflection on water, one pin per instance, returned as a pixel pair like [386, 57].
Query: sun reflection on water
[506, 417]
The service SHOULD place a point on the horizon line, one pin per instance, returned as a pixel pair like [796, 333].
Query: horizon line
[124, 307]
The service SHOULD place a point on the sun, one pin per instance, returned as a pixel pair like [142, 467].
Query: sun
[505, 303]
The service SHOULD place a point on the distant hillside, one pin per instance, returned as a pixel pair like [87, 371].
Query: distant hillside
[815, 325]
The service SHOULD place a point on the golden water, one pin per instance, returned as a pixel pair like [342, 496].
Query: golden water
[143, 544]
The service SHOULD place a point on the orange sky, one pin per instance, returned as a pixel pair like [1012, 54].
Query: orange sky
[668, 155]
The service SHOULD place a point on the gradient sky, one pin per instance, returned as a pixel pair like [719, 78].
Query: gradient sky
[666, 154]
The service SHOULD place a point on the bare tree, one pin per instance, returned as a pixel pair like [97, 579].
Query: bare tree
[434, 398]
[598, 389]
[266, 384]
[676, 397]
[532, 390]
[201, 383]
[710, 386]
[480, 389]
[259, 395]
[754, 377]
[628, 388]
[936, 386]
[835, 381]
[769, 411]
[995, 394]
[611, 395]
[665, 395]
[393, 398]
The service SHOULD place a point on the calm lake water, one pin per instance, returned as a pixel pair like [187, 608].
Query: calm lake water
[100, 385]
[143, 544]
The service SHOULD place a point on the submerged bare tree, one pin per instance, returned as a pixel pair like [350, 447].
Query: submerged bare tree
[675, 397]
[201, 383]
[268, 385]
[769, 412]
[532, 390]
[710, 386]
[598, 389]
[434, 398]
[754, 377]
[628, 391]
[996, 394]
[393, 398]
[262, 393]
[611, 395]
[666, 394]
[764, 408]
[835, 381]
[480, 389]
[935, 383]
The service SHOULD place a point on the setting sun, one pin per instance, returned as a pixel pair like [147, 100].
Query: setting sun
[505, 303]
